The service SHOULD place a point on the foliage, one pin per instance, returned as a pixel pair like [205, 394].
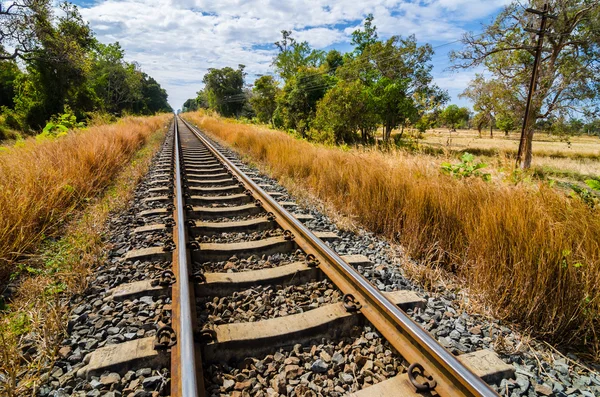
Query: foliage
[453, 116]
[588, 196]
[466, 168]
[294, 56]
[65, 66]
[190, 105]
[505, 123]
[224, 90]
[59, 125]
[568, 80]
[264, 100]
[345, 110]
[298, 100]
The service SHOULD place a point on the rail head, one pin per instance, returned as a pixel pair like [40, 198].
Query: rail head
[414, 343]
[188, 382]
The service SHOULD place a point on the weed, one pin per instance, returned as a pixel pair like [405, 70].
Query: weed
[466, 168]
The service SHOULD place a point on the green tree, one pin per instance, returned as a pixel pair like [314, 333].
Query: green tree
[505, 123]
[9, 72]
[264, 98]
[333, 60]
[298, 101]
[363, 39]
[153, 98]
[486, 96]
[118, 84]
[190, 105]
[293, 56]
[224, 90]
[567, 81]
[453, 116]
[344, 111]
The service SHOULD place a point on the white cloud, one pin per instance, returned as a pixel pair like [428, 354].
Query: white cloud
[176, 41]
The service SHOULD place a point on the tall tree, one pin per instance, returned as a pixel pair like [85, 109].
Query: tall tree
[363, 39]
[116, 82]
[344, 111]
[9, 72]
[224, 90]
[569, 73]
[293, 56]
[453, 116]
[264, 98]
[486, 99]
[297, 103]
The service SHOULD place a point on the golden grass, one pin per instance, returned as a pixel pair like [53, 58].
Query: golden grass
[544, 145]
[32, 328]
[527, 251]
[42, 182]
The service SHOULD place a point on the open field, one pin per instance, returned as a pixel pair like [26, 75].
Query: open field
[527, 251]
[41, 183]
[544, 145]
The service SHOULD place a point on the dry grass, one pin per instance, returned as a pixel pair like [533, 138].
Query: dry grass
[42, 182]
[579, 147]
[33, 325]
[527, 251]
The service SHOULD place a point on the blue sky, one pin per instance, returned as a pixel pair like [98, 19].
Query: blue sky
[176, 41]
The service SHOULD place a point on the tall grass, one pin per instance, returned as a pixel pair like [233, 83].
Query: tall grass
[529, 252]
[42, 182]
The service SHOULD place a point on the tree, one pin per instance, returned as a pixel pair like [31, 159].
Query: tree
[65, 68]
[505, 123]
[23, 24]
[395, 72]
[117, 83]
[264, 99]
[190, 105]
[202, 99]
[486, 96]
[481, 120]
[345, 110]
[153, 97]
[429, 102]
[568, 79]
[57, 66]
[333, 60]
[224, 90]
[293, 56]
[363, 39]
[453, 116]
[9, 72]
[298, 101]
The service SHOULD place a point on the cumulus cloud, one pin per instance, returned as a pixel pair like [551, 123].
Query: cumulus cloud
[177, 41]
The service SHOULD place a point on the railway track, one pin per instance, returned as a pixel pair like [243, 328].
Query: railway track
[260, 304]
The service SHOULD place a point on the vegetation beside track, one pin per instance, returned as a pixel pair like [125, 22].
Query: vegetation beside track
[43, 181]
[525, 250]
[32, 324]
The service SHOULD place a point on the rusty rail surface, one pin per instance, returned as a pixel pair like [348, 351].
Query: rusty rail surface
[448, 376]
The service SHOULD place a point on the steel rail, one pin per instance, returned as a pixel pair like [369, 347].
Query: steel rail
[414, 343]
[185, 339]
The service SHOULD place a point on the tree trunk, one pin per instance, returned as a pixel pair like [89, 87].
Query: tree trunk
[492, 131]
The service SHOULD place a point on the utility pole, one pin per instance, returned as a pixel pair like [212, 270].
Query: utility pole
[524, 154]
